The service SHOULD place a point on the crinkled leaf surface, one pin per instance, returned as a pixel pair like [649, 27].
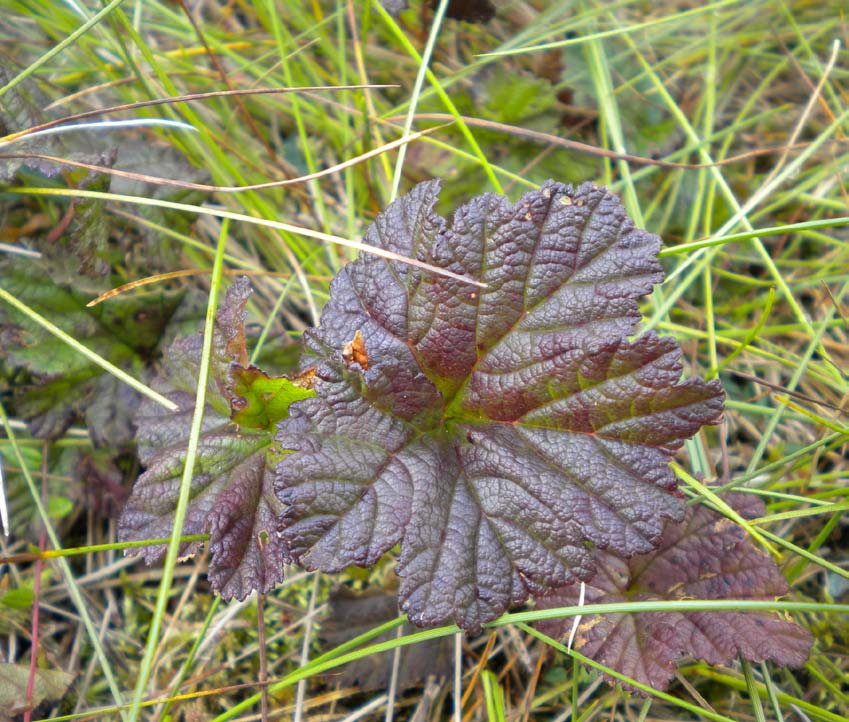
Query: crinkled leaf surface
[393, 7]
[232, 496]
[498, 430]
[705, 557]
[149, 156]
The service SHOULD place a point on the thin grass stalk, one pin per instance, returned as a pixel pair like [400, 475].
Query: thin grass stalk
[146, 664]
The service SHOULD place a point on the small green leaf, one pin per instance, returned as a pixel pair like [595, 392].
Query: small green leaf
[58, 507]
[20, 598]
[259, 400]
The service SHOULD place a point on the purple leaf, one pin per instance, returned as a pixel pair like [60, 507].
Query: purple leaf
[232, 496]
[493, 432]
[705, 557]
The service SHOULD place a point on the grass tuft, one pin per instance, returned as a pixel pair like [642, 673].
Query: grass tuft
[723, 127]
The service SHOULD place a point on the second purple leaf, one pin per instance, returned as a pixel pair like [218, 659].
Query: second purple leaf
[705, 557]
[232, 496]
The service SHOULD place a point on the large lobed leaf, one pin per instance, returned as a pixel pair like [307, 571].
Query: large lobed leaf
[493, 432]
[705, 557]
[232, 496]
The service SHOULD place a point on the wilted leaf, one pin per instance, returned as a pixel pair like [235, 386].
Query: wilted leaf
[76, 252]
[705, 557]
[232, 496]
[352, 614]
[63, 385]
[496, 430]
[49, 684]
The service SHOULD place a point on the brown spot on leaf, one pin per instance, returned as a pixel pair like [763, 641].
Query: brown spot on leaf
[355, 351]
[306, 379]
